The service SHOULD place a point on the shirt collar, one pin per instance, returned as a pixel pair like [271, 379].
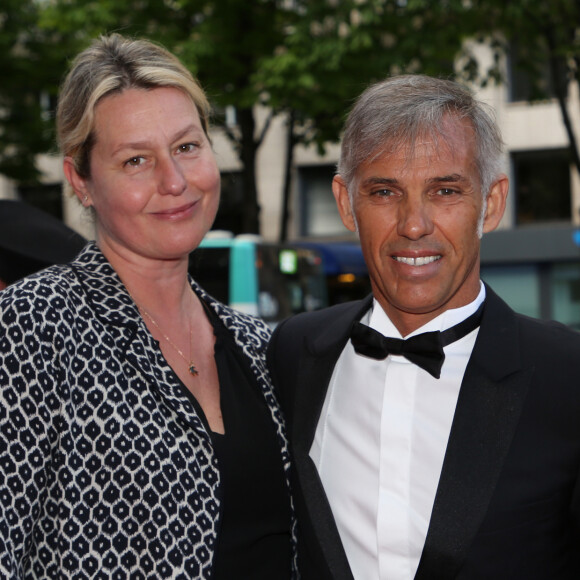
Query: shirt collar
[377, 318]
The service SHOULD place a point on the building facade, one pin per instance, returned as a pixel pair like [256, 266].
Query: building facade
[533, 259]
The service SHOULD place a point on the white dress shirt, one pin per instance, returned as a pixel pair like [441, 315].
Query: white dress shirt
[380, 443]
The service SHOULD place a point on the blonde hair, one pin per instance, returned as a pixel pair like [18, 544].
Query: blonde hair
[112, 64]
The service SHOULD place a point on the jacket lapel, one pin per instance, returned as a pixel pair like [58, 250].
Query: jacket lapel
[320, 353]
[130, 336]
[488, 409]
[144, 355]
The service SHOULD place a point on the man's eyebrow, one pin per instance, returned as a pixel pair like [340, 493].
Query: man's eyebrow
[379, 181]
[451, 178]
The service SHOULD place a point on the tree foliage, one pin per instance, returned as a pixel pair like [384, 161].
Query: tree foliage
[306, 59]
[335, 49]
[221, 42]
[542, 40]
[28, 84]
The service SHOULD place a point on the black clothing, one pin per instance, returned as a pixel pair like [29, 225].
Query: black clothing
[508, 501]
[254, 536]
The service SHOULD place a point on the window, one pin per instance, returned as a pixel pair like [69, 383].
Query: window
[319, 214]
[542, 186]
[210, 267]
[518, 285]
[565, 294]
[550, 290]
[229, 216]
[529, 74]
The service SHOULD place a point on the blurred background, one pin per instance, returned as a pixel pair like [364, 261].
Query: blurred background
[282, 75]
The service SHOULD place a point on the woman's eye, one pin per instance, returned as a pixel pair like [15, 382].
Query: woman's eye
[135, 161]
[186, 147]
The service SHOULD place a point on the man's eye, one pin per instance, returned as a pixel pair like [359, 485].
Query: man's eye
[447, 191]
[382, 192]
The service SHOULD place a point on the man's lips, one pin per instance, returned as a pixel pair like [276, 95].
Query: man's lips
[417, 261]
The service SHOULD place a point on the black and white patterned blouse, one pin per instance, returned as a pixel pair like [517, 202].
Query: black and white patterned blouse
[106, 469]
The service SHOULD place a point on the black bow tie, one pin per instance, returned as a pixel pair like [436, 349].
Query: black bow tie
[425, 350]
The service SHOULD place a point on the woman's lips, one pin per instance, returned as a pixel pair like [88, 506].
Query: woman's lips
[177, 212]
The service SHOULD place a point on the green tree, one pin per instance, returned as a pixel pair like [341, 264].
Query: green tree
[333, 50]
[29, 84]
[547, 37]
[221, 42]
[307, 59]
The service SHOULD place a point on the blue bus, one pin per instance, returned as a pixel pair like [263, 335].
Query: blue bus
[269, 280]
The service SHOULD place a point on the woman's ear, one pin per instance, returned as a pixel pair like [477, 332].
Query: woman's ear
[78, 183]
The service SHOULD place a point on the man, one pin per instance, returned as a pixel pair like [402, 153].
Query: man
[409, 464]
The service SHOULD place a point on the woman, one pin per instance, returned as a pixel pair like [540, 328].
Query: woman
[141, 437]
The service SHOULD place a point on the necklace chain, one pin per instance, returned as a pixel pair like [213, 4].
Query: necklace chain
[190, 364]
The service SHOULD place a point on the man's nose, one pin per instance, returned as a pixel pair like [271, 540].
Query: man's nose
[414, 219]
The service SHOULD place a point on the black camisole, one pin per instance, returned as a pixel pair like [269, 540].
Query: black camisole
[254, 535]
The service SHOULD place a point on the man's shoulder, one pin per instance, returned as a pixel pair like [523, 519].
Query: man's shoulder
[305, 321]
[530, 330]
[549, 333]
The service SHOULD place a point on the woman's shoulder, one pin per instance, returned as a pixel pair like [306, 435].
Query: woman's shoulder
[37, 308]
[52, 283]
[56, 285]
[233, 318]
[245, 327]
[45, 304]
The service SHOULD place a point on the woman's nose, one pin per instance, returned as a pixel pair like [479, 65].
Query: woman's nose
[171, 177]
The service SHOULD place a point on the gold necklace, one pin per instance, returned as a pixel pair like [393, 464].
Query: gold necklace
[190, 364]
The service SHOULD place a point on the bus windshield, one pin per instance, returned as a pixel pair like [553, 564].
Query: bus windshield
[272, 281]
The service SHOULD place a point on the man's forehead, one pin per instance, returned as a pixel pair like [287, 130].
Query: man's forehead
[454, 138]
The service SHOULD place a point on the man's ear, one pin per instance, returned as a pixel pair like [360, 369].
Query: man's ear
[78, 183]
[343, 203]
[496, 201]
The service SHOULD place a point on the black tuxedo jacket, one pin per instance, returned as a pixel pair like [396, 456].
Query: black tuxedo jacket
[508, 501]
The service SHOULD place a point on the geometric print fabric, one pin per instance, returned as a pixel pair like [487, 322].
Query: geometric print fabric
[106, 470]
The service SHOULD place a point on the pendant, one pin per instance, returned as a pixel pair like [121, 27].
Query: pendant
[192, 370]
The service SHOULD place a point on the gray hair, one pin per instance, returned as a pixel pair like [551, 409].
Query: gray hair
[397, 111]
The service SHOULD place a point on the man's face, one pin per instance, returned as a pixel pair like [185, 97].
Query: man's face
[417, 214]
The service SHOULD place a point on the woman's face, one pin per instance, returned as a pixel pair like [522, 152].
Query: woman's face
[154, 182]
